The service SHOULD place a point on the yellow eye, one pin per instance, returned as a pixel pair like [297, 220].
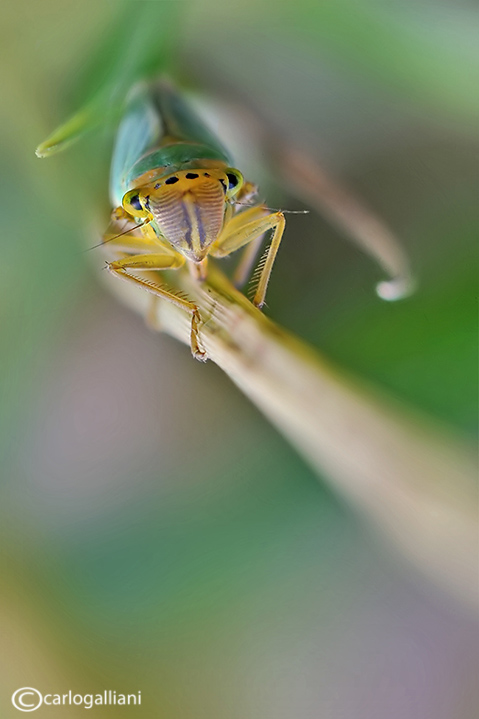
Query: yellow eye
[235, 182]
[132, 204]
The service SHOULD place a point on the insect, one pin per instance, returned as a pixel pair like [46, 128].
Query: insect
[182, 201]
[172, 178]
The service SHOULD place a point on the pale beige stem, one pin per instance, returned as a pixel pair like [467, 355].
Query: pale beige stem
[408, 479]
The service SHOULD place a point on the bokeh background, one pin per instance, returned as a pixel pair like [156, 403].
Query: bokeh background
[157, 534]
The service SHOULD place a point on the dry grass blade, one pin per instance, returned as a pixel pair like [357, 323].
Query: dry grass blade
[408, 480]
[305, 178]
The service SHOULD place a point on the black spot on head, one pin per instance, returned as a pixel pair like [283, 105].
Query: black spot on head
[232, 180]
[158, 185]
[191, 176]
[171, 180]
[135, 203]
[206, 174]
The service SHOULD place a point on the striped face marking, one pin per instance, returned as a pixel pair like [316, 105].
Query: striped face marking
[188, 208]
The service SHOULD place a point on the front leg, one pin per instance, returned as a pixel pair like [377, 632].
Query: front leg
[159, 261]
[246, 227]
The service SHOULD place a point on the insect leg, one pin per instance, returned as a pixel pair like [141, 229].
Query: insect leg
[246, 227]
[117, 245]
[158, 261]
[130, 243]
[246, 262]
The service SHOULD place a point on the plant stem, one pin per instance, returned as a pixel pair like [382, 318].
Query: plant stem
[410, 480]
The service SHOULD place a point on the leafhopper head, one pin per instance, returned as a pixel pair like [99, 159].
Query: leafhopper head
[187, 207]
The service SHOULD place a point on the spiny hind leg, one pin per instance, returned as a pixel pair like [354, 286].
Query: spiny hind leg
[123, 268]
[246, 227]
[247, 260]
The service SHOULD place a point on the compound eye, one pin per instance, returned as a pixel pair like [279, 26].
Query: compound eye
[132, 204]
[235, 181]
[135, 202]
[232, 180]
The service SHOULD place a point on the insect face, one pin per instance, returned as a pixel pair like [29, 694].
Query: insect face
[187, 207]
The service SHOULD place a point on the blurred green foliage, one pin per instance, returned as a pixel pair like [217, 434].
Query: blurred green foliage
[157, 533]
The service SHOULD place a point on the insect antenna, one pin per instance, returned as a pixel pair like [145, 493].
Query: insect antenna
[275, 209]
[290, 212]
[115, 237]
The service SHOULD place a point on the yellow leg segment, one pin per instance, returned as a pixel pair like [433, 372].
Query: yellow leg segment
[122, 268]
[137, 244]
[246, 227]
[129, 243]
[246, 262]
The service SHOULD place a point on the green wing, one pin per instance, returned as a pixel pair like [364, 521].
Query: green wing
[139, 131]
[181, 122]
[155, 113]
